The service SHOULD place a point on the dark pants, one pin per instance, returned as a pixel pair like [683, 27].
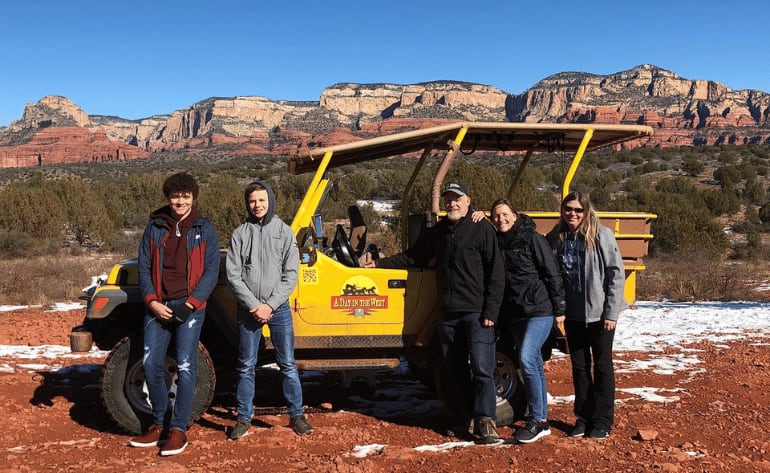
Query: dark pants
[463, 339]
[594, 389]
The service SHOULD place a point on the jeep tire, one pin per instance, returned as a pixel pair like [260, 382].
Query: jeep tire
[124, 391]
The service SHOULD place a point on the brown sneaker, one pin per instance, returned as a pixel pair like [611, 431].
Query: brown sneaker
[487, 433]
[150, 438]
[176, 443]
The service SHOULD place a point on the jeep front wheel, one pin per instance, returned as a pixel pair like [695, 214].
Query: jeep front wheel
[124, 389]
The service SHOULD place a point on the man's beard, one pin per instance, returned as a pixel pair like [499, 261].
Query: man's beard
[454, 216]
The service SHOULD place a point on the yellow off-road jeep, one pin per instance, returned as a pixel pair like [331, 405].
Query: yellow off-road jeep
[346, 317]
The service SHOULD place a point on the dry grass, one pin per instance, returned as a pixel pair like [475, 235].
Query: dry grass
[49, 279]
[696, 279]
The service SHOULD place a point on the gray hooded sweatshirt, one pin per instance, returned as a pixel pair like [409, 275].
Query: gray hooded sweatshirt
[602, 280]
[262, 259]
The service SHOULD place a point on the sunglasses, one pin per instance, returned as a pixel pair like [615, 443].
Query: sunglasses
[577, 210]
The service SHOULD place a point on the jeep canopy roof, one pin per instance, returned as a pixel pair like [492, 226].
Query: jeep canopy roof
[476, 136]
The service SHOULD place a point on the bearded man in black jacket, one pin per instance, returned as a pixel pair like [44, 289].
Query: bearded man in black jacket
[470, 280]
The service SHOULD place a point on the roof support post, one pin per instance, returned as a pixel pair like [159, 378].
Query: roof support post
[576, 162]
[408, 192]
[519, 173]
[446, 163]
[301, 218]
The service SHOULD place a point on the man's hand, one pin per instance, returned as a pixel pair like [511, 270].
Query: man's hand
[161, 312]
[478, 215]
[487, 323]
[558, 322]
[262, 313]
[609, 325]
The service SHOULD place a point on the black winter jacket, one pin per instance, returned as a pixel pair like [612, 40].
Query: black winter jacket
[533, 284]
[468, 264]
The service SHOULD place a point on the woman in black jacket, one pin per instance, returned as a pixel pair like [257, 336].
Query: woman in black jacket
[533, 296]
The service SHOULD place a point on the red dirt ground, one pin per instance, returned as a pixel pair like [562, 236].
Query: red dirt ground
[53, 422]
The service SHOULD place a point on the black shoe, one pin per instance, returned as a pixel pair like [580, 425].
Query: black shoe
[598, 433]
[241, 428]
[300, 425]
[579, 430]
[486, 432]
[532, 431]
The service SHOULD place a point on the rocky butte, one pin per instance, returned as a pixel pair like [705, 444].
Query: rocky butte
[683, 112]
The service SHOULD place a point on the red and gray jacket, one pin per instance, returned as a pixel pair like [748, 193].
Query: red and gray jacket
[202, 260]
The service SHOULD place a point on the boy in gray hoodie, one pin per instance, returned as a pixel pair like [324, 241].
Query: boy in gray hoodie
[262, 266]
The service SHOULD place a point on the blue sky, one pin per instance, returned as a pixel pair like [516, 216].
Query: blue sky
[142, 58]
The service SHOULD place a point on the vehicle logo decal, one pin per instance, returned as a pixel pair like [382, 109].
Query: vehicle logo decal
[359, 297]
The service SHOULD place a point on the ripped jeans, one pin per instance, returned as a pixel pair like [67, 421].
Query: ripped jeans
[157, 338]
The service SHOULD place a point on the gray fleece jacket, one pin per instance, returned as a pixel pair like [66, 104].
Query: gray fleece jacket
[262, 259]
[604, 276]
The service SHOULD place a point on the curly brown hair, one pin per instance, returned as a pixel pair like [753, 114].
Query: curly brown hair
[180, 182]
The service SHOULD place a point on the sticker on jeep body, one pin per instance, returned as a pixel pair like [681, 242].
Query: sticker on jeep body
[359, 297]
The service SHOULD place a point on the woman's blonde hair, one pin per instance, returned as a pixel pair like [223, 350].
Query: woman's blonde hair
[589, 227]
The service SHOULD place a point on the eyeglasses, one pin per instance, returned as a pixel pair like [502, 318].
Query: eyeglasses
[577, 210]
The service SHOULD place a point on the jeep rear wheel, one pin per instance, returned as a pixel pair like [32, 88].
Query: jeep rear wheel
[124, 389]
[511, 403]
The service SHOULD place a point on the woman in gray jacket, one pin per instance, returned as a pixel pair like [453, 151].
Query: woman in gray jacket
[594, 277]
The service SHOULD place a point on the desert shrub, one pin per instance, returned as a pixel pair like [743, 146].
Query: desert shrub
[720, 201]
[41, 280]
[16, 244]
[729, 175]
[696, 277]
[371, 217]
[682, 227]
[754, 193]
[135, 198]
[684, 221]
[752, 249]
[692, 165]
[221, 201]
[358, 185]
[124, 243]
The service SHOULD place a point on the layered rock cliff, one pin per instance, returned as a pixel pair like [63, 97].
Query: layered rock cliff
[682, 111]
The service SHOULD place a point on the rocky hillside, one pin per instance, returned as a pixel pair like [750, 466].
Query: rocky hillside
[682, 111]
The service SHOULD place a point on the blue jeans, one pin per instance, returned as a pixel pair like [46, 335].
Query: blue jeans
[594, 388]
[530, 334]
[157, 338]
[463, 339]
[282, 338]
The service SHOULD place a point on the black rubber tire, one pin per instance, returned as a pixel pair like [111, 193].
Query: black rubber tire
[124, 393]
[511, 402]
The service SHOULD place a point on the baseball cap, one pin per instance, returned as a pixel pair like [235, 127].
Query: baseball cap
[457, 188]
